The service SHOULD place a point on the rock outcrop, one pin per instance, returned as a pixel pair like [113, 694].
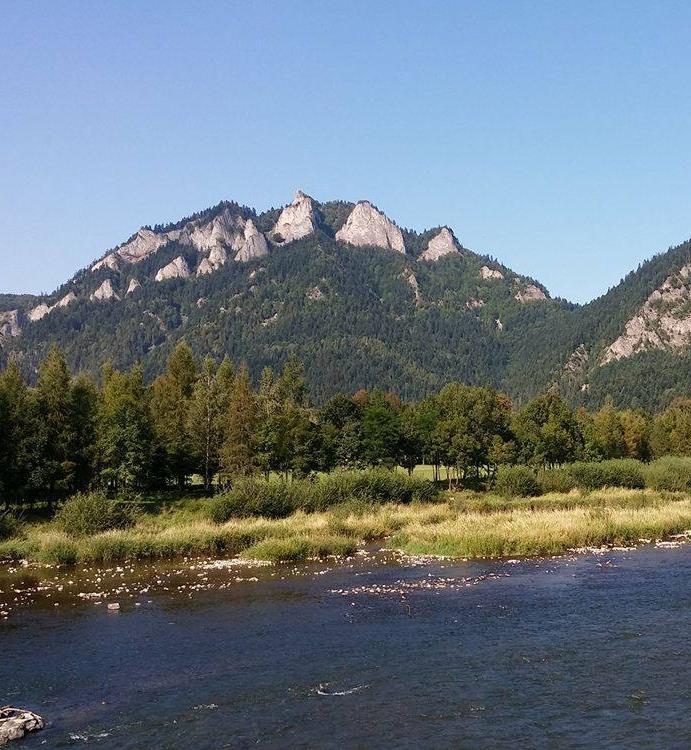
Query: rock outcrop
[132, 286]
[40, 311]
[143, 244]
[474, 304]
[104, 293]
[529, 293]
[110, 261]
[663, 322]
[409, 277]
[368, 227]
[254, 245]
[17, 722]
[216, 258]
[9, 324]
[490, 273]
[224, 230]
[443, 243]
[297, 220]
[176, 269]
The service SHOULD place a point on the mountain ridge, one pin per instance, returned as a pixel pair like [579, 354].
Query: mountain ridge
[225, 279]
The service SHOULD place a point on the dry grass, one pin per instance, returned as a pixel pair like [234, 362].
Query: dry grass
[468, 525]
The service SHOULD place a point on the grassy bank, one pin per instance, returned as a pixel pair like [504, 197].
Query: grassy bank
[462, 525]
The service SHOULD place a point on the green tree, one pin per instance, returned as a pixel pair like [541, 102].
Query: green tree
[238, 455]
[382, 431]
[170, 402]
[671, 430]
[206, 418]
[125, 443]
[547, 431]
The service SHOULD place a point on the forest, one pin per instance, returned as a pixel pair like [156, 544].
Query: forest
[207, 422]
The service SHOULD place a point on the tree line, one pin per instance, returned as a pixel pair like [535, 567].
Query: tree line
[68, 433]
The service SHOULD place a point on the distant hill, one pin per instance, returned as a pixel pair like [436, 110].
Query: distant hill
[364, 304]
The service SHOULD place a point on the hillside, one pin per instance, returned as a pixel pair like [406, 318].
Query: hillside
[363, 303]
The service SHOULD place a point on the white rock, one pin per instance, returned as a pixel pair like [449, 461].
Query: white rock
[490, 273]
[499, 325]
[529, 293]
[143, 244]
[443, 243]
[110, 261]
[9, 324]
[366, 226]
[68, 299]
[223, 230]
[409, 277]
[17, 722]
[254, 245]
[217, 258]
[663, 322]
[38, 312]
[104, 292]
[132, 286]
[176, 269]
[297, 220]
[474, 304]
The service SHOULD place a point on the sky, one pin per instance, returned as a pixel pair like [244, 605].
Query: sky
[555, 136]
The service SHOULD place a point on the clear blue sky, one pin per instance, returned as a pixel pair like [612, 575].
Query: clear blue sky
[554, 135]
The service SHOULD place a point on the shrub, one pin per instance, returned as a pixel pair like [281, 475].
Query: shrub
[254, 497]
[669, 473]
[517, 481]
[93, 512]
[556, 480]
[9, 525]
[276, 499]
[625, 472]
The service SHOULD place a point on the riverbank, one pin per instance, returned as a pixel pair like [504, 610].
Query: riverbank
[460, 525]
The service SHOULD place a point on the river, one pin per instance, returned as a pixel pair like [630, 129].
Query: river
[586, 651]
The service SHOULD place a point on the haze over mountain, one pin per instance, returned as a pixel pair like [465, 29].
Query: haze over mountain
[364, 303]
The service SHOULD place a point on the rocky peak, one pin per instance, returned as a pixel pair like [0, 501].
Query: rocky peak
[9, 324]
[297, 220]
[104, 292]
[254, 245]
[110, 261]
[132, 286]
[663, 322]
[40, 311]
[443, 243]
[366, 226]
[224, 230]
[176, 269]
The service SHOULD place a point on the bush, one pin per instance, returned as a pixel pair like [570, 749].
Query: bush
[93, 512]
[517, 481]
[9, 525]
[669, 473]
[556, 480]
[625, 472]
[276, 499]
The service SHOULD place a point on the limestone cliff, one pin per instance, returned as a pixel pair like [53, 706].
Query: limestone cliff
[297, 220]
[663, 322]
[9, 324]
[443, 243]
[104, 293]
[176, 269]
[254, 245]
[366, 226]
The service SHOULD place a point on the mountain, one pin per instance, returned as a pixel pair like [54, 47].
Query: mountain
[364, 303]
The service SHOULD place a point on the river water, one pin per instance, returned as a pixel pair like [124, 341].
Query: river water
[588, 651]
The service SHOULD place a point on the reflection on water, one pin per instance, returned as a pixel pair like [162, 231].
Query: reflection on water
[576, 652]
